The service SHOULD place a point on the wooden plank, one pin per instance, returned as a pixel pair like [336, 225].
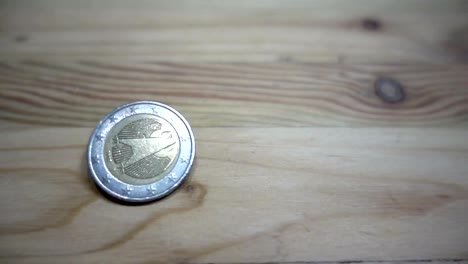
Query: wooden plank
[306, 31]
[233, 95]
[255, 195]
[298, 161]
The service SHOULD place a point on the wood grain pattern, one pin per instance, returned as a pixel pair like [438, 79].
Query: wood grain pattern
[80, 93]
[306, 31]
[298, 160]
[373, 193]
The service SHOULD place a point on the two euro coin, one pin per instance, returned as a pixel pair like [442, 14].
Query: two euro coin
[141, 151]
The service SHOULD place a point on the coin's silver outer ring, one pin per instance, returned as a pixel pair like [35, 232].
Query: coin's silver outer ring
[149, 192]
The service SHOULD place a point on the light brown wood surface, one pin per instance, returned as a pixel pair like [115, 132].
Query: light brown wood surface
[298, 160]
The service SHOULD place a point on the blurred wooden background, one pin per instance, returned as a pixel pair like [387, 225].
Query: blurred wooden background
[298, 160]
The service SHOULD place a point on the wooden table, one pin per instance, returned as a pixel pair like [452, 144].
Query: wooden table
[298, 160]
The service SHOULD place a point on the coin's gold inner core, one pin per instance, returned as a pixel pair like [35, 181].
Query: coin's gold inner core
[141, 149]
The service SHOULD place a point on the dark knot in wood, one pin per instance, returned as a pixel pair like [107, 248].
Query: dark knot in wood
[389, 90]
[371, 24]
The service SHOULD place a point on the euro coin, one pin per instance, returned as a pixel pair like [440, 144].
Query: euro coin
[141, 151]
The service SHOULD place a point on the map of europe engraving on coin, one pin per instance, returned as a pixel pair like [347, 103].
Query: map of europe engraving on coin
[141, 151]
